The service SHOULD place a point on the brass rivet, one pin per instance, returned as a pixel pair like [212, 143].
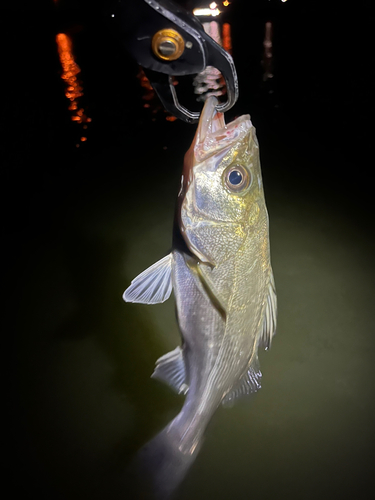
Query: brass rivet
[167, 44]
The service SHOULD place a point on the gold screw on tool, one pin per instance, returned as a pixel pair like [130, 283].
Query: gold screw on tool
[167, 44]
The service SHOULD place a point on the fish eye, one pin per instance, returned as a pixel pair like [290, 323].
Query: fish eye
[236, 178]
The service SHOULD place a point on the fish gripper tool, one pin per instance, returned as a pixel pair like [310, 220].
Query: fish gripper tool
[166, 40]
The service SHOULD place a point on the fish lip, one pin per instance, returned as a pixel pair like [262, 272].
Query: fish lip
[210, 120]
[213, 134]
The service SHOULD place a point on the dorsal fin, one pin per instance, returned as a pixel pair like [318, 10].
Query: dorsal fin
[269, 322]
[248, 384]
[170, 369]
[152, 286]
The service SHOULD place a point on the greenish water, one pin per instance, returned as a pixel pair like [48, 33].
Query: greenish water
[85, 357]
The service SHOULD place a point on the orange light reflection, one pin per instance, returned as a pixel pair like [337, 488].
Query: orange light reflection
[70, 70]
[226, 38]
[152, 102]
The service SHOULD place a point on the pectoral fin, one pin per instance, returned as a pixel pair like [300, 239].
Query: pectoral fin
[152, 286]
[170, 368]
[248, 384]
[269, 322]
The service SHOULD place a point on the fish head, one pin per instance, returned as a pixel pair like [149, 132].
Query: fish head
[221, 190]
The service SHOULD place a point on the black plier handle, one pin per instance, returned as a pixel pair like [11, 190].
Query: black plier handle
[167, 41]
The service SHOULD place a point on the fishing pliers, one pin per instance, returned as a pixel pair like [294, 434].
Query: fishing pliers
[166, 40]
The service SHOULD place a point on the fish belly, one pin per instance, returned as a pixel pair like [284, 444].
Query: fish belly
[202, 329]
[201, 325]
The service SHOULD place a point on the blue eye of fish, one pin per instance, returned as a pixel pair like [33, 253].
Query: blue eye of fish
[236, 178]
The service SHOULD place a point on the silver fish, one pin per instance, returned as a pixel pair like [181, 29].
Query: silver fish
[222, 279]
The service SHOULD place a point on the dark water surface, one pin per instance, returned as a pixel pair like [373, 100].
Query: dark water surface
[90, 203]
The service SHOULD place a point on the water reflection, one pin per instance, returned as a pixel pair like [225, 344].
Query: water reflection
[268, 83]
[152, 102]
[210, 81]
[226, 37]
[267, 60]
[149, 93]
[73, 86]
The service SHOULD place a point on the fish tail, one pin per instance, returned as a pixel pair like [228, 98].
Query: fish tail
[162, 464]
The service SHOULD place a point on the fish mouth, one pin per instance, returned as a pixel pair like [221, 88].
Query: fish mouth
[213, 134]
[210, 120]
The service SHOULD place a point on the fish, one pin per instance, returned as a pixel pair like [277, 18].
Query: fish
[220, 272]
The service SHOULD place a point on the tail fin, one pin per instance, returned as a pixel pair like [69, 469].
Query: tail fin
[160, 466]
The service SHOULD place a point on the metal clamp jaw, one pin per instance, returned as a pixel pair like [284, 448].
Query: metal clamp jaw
[167, 41]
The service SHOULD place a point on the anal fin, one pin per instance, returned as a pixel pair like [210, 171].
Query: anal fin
[170, 369]
[269, 321]
[248, 384]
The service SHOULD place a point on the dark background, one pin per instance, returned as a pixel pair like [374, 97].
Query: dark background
[63, 207]
[323, 72]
